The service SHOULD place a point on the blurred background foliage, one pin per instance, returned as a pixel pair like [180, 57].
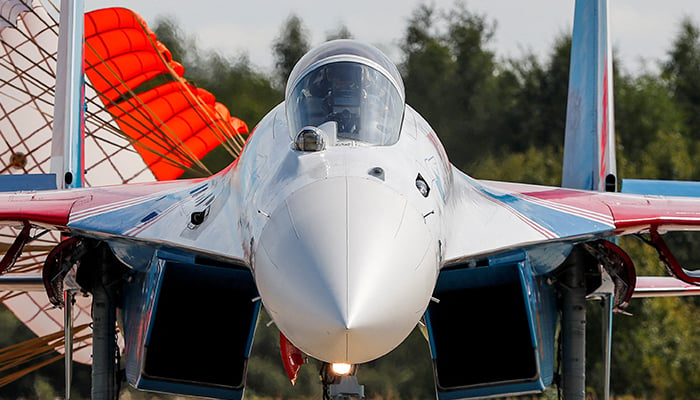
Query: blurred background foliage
[499, 119]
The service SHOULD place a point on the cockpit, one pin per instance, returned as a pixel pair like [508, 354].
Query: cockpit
[349, 91]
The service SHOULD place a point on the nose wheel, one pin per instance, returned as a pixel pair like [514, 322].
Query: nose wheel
[340, 387]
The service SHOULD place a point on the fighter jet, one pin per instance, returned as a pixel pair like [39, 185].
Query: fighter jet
[345, 220]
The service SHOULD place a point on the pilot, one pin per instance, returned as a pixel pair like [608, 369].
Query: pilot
[345, 96]
[339, 86]
[363, 99]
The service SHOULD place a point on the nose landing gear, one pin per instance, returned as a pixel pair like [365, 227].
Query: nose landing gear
[340, 387]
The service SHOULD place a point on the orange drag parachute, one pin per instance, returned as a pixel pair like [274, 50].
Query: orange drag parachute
[28, 46]
[143, 122]
[172, 125]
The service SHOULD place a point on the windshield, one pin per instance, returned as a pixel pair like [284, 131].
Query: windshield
[363, 99]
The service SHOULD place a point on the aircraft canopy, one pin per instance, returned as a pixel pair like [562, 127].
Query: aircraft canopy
[352, 84]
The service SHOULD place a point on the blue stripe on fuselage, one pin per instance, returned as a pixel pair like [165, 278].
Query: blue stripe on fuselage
[122, 220]
[563, 224]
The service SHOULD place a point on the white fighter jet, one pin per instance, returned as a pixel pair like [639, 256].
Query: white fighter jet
[345, 220]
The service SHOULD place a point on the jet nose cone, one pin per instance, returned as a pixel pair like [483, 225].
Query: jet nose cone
[346, 267]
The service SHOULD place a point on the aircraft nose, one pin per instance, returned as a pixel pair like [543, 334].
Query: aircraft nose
[346, 268]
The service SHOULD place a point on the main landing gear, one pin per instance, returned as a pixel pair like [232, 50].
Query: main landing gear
[103, 275]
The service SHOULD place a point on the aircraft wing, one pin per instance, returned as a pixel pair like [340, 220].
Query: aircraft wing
[629, 213]
[157, 213]
[509, 216]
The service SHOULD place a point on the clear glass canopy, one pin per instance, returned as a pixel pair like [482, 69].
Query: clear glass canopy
[349, 83]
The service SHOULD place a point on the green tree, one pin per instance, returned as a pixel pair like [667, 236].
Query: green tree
[533, 105]
[44, 382]
[682, 71]
[502, 120]
[553, 93]
[182, 47]
[266, 375]
[449, 76]
[643, 109]
[655, 349]
[537, 166]
[427, 68]
[474, 97]
[340, 32]
[247, 93]
[289, 46]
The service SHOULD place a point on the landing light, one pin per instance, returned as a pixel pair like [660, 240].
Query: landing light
[341, 368]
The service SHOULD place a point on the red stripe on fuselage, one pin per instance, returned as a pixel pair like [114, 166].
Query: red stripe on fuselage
[604, 129]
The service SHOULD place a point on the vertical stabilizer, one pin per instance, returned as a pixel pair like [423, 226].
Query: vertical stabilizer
[67, 140]
[589, 147]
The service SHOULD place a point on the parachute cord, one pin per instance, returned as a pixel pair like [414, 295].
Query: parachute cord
[8, 296]
[15, 69]
[30, 151]
[103, 123]
[18, 268]
[50, 24]
[231, 140]
[225, 133]
[175, 141]
[100, 123]
[10, 23]
[29, 353]
[53, 26]
[176, 148]
[32, 63]
[91, 119]
[232, 147]
[53, 5]
[31, 37]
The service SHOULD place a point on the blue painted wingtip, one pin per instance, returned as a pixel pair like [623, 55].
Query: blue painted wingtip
[26, 182]
[661, 188]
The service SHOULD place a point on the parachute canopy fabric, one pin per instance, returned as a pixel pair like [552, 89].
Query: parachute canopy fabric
[115, 150]
[28, 53]
[27, 76]
[28, 56]
[172, 125]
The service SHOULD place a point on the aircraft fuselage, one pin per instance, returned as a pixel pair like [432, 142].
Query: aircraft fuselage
[345, 247]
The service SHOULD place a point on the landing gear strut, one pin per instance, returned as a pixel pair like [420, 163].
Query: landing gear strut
[104, 367]
[572, 292]
[340, 387]
[102, 275]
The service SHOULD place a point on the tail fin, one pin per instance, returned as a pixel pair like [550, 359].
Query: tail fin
[67, 160]
[589, 146]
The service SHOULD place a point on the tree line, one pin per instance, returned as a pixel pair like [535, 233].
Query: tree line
[499, 119]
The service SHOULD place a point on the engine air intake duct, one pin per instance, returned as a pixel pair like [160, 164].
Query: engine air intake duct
[489, 333]
[199, 333]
